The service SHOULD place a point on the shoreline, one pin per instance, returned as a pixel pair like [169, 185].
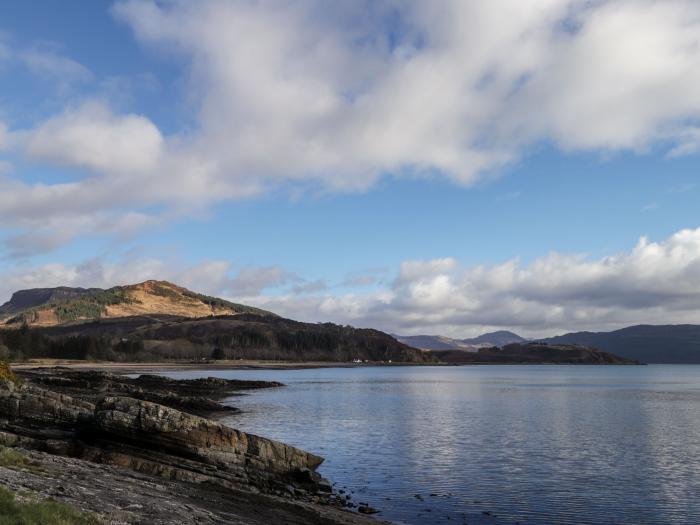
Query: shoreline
[81, 433]
[132, 368]
[169, 366]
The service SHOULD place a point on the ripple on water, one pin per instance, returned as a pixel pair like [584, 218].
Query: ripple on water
[495, 445]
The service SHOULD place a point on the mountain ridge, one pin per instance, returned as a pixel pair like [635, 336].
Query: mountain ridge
[497, 338]
[62, 304]
[161, 321]
[534, 353]
[669, 344]
[438, 342]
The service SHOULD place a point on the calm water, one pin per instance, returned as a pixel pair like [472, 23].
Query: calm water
[528, 444]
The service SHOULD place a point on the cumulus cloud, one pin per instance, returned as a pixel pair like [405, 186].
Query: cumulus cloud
[92, 137]
[347, 94]
[654, 282]
[298, 94]
[252, 280]
[209, 276]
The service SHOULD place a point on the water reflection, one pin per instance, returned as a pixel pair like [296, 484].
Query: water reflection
[495, 445]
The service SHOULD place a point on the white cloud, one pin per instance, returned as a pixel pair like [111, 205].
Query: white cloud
[209, 276]
[298, 94]
[688, 142]
[655, 282]
[55, 67]
[92, 137]
[252, 280]
[461, 90]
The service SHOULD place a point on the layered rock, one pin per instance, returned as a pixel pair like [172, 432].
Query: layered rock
[195, 396]
[154, 439]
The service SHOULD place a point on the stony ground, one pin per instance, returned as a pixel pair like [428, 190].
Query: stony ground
[121, 496]
[99, 443]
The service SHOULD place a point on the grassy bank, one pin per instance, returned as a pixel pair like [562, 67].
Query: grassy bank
[30, 511]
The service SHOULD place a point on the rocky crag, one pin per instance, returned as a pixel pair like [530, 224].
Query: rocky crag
[103, 432]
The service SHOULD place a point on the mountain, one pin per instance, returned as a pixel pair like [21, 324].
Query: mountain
[499, 338]
[157, 320]
[53, 306]
[433, 342]
[647, 343]
[439, 342]
[532, 353]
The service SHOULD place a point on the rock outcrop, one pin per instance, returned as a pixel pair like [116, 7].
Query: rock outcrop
[120, 496]
[154, 439]
[194, 396]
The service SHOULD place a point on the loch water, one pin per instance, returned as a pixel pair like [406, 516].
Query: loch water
[493, 444]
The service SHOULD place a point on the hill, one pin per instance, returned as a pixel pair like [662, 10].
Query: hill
[157, 321]
[532, 353]
[439, 342]
[647, 343]
[433, 342]
[54, 306]
[499, 338]
[241, 336]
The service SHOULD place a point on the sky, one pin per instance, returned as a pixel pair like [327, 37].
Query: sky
[442, 167]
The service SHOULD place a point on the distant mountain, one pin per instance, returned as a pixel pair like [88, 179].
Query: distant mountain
[647, 343]
[439, 342]
[434, 342]
[53, 306]
[533, 353]
[499, 338]
[158, 320]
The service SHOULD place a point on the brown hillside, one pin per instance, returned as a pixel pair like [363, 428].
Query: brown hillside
[55, 306]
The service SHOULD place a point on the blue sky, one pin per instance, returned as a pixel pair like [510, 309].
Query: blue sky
[368, 165]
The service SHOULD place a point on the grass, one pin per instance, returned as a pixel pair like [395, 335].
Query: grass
[40, 512]
[11, 458]
[6, 372]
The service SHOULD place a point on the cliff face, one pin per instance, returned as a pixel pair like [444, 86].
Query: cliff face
[26, 299]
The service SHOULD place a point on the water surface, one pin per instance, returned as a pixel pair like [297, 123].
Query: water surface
[494, 444]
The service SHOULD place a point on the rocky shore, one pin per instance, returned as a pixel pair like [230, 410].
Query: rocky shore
[138, 450]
